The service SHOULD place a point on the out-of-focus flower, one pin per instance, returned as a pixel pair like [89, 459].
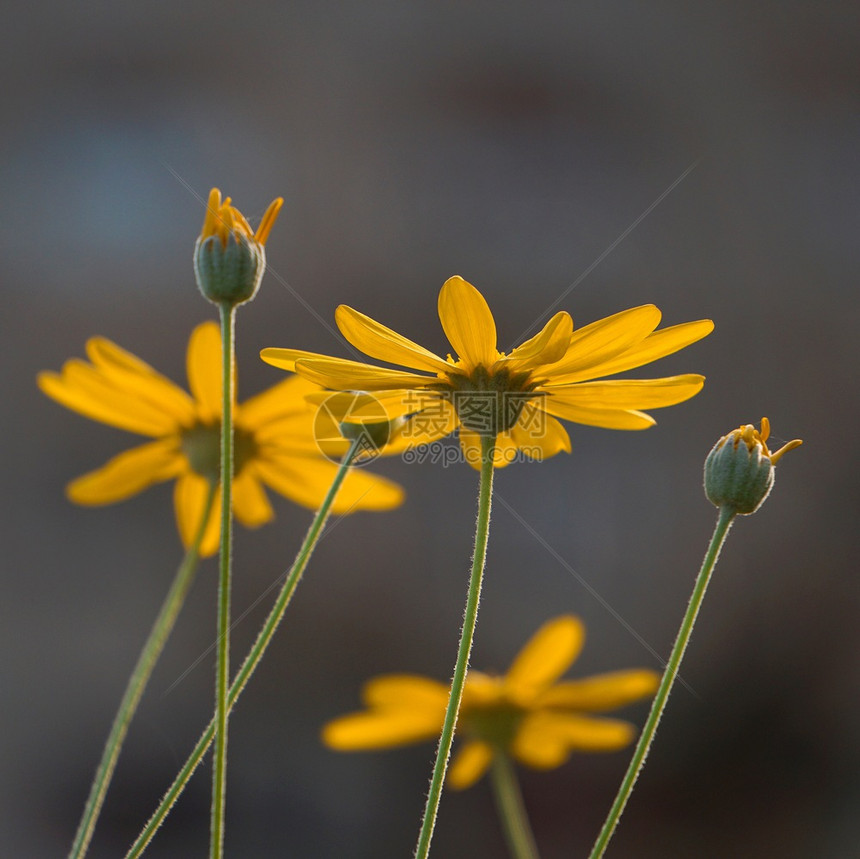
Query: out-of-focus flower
[274, 438]
[529, 713]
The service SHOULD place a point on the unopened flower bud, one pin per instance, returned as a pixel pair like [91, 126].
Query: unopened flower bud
[229, 258]
[371, 436]
[356, 416]
[739, 470]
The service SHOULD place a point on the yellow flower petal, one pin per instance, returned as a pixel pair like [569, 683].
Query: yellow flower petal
[406, 691]
[189, 501]
[128, 372]
[364, 491]
[470, 445]
[602, 691]
[250, 504]
[539, 435]
[381, 729]
[268, 220]
[306, 480]
[545, 739]
[285, 359]
[85, 390]
[606, 338]
[628, 393]
[589, 734]
[294, 433]
[355, 376]
[620, 419]
[544, 658]
[285, 399]
[468, 765]
[546, 347]
[437, 420]
[382, 343]
[504, 449]
[211, 220]
[129, 473]
[536, 746]
[359, 405]
[342, 373]
[203, 362]
[468, 323]
[482, 691]
[658, 345]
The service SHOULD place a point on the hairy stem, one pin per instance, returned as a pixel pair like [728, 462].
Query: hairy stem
[467, 634]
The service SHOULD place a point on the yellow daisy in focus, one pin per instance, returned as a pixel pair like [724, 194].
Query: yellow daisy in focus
[516, 398]
[274, 439]
[528, 714]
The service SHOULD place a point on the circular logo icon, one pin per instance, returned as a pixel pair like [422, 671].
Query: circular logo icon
[345, 417]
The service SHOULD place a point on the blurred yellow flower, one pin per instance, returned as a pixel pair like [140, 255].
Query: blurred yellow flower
[528, 713]
[274, 438]
[515, 398]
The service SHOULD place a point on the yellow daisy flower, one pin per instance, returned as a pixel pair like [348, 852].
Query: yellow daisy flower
[528, 713]
[516, 397]
[274, 440]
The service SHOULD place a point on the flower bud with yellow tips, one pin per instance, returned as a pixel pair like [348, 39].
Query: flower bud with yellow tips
[229, 257]
[739, 470]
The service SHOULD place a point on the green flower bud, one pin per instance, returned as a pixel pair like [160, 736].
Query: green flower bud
[354, 416]
[739, 470]
[229, 258]
[371, 436]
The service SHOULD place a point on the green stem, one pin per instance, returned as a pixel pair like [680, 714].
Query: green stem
[724, 521]
[512, 810]
[253, 658]
[222, 667]
[443, 752]
[159, 634]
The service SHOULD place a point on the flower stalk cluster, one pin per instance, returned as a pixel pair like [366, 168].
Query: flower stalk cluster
[301, 438]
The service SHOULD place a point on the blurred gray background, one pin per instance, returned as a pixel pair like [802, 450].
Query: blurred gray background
[514, 144]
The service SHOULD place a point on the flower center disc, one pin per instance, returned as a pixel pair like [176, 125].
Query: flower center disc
[496, 725]
[202, 445]
[489, 403]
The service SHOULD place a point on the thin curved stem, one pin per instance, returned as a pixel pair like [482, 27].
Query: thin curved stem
[149, 655]
[512, 809]
[222, 665]
[470, 618]
[253, 658]
[724, 520]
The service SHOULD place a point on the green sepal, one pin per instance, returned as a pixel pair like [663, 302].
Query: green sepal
[229, 274]
[738, 476]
